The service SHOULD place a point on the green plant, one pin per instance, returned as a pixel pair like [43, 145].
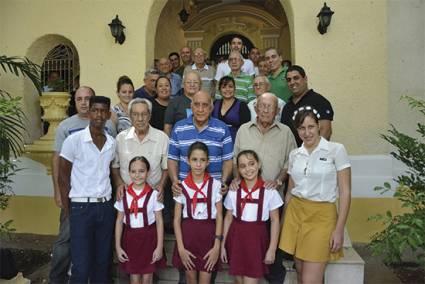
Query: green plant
[406, 230]
[12, 128]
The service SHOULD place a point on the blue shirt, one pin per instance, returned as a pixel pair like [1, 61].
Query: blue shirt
[143, 94]
[216, 135]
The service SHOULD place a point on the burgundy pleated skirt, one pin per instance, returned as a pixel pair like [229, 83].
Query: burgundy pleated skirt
[198, 238]
[139, 244]
[246, 247]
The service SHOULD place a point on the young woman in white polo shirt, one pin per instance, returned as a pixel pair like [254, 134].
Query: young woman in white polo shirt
[313, 230]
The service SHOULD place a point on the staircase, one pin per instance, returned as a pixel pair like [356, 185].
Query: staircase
[348, 270]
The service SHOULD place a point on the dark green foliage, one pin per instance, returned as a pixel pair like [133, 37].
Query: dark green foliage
[405, 230]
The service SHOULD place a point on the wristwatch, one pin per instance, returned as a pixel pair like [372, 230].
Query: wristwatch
[219, 237]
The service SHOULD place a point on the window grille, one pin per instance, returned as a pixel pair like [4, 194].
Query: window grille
[221, 48]
[62, 60]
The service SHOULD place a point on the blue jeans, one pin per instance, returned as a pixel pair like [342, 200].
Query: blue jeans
[61, 257]
[91, 227]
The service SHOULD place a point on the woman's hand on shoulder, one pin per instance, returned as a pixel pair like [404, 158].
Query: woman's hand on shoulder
[270, 184]
[234, 185]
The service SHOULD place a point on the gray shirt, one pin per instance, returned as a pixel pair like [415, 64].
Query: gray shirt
[177, 109]
[74, 124]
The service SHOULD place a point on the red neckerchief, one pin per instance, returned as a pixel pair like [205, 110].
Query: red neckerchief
[134, 207]
[248, 196]
[191, 184]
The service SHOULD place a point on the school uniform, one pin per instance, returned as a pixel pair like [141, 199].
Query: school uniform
[139, 239]
[198, 222]
[248, 239]
[311, 215]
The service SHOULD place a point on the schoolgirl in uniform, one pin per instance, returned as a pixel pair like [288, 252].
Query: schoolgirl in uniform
[247, 246]
[313, 230]
[139, 231]
[199, 233]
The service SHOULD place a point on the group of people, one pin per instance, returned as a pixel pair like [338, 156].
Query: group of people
[234, 139]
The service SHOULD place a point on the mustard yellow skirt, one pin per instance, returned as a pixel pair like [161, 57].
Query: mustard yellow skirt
[307, 228]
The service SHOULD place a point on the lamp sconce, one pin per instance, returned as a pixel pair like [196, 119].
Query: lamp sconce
[117, 30]
[325, 16]
[184, 15]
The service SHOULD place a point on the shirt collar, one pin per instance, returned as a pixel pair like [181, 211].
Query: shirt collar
[323, 145]
[87, 138]
[274, 124]
[196, 68]
[132, 134]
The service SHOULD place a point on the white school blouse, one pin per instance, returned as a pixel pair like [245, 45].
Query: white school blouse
[153, 206]
[315, 174]
[201, 211]
[272, 201]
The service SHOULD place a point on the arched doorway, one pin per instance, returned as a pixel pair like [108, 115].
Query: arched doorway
[221, 47]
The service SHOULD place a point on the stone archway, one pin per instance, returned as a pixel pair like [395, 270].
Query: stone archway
[37, 53]
[267, 25]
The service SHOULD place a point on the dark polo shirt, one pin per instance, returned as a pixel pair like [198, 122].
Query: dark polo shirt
[311, 98]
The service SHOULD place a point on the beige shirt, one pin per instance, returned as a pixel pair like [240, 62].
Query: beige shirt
[206, 73]
[154, 147]
[273, 147]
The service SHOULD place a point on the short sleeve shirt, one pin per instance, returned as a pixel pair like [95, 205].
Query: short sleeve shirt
[272, 147]
[216, 135]
[279, 86]
[272, 201]
[223, 69]
[154, 147]
[201, 210]
[153, 206]
[90, 166]
[313, 99]
[74, 124]
[315, 174]
[178, 109]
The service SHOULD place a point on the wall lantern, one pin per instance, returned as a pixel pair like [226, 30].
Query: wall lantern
[184, 15]
[117, 30]
[325, 16]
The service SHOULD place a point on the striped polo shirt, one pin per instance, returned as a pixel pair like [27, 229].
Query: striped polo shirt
[244, 90]
[216, 136]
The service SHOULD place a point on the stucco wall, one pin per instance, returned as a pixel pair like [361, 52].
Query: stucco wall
[349, 64]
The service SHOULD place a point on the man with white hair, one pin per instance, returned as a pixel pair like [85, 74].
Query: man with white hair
[224, 68]
[272, 141]
[204, 70]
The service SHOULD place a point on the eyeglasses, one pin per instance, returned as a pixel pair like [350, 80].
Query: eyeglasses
[265, 107]
[256, 85]
[192, 82]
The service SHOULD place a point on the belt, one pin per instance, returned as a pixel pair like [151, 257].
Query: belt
[91, 199]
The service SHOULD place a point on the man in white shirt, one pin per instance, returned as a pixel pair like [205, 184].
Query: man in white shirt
[223, 68]
[84, 169]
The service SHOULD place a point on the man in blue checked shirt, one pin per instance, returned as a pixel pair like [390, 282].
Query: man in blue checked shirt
[200, 127]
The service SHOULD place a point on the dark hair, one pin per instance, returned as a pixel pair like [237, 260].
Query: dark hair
[249, 153]
[297, 68]
[302, 114]
[142, 159]
[226, 80]
[287, 62]
[124, 80]
[100, 100]
[173, 53]
[197, 146]
[160, 77]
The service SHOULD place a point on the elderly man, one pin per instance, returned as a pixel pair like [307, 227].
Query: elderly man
[206, 72]
[186, 57]
[147, 91]
[277, 76]
[303, 96]
[164, 67]
[224, 67]
[179, 108]
[141, 140]
[244, 91]
[200, 127]
[61, 255]
[262, 85]
[273, 142]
